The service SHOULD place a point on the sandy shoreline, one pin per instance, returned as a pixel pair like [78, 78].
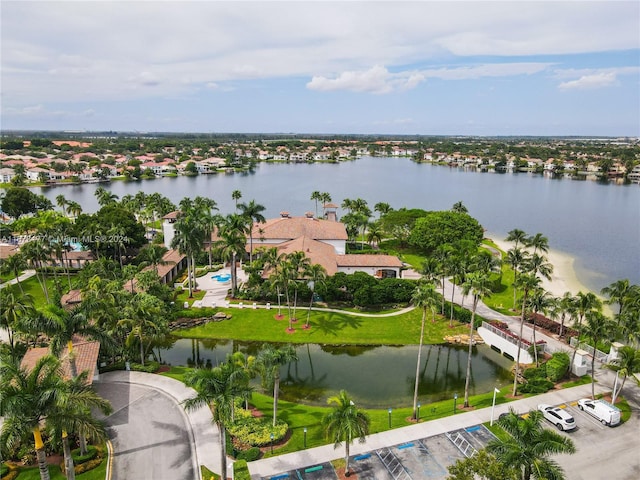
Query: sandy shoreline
[563, 278]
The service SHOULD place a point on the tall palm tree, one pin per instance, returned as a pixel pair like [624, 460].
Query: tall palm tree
[141, 318]
[61, 201]
[538, 265]
[517, 236]
[316, 275]
[616, 293]
[626, 364]
[344, 423]
[74, 209]
[526, 283]
[382, 208]
[231, 244]
[235, 196]
[269, 361]
[217, 388]
[566, 304]
[478, 285]
[596, 328]
[516, 258]
[424, 297]
[15, 264]
[583, 303]
[188, 241]
[325, 198]
[253, 213]
[539, 301]
[105, 197]
[316, 195]
[15, 313]
[529, 446]
[538, 242]
[30, 398]
[37, 254]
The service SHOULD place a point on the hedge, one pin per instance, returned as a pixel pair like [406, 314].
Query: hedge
[149, 367]
[90, 455]
[558, 366]
[241, 470]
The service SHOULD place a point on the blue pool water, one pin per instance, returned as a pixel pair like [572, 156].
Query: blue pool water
[222, 277]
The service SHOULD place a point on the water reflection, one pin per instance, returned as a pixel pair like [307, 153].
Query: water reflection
[375, 376]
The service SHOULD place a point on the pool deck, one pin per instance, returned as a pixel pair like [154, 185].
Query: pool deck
[216, 292]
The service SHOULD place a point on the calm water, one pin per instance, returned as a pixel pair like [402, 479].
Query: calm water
[598, 224]
[375, 376]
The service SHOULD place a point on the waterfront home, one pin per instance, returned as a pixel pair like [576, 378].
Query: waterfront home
[6, 175]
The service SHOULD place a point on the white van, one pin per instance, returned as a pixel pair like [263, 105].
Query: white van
[602, 410]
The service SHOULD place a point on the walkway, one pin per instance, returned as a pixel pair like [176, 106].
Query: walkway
[24, 276]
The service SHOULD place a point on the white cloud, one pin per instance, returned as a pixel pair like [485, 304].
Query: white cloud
[598, 80]
[375, 80]
[589, 79]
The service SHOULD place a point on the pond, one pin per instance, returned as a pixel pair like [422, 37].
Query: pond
[375, 376]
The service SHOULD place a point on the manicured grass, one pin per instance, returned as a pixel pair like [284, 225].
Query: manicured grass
[32, 288]
[5, 277]
[183, 296]
[32, 473]
[208, 474]
[326, 327]
[300, 416]
[580, 381]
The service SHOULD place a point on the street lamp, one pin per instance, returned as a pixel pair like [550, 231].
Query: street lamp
[493, 405]
[305, 437]
[418, 414]
[389, 417]
[272, 444]
[455, 400]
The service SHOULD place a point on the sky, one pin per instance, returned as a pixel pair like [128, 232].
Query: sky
[348, 67]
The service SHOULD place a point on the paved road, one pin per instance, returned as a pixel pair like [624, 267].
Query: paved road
[149, 432]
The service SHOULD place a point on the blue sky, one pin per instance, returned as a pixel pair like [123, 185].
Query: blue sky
[422, 67]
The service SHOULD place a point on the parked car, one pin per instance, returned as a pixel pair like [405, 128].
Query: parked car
[558, 416]
[603, 411]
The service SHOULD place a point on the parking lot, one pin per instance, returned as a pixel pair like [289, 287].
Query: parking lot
[428, 458]
[424, 459]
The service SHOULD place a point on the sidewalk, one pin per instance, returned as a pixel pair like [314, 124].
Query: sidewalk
[314, 456]
[25, 276]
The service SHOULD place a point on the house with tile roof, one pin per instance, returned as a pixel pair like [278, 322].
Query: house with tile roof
[324, 243]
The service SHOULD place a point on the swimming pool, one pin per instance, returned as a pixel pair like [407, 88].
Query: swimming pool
[222, 277]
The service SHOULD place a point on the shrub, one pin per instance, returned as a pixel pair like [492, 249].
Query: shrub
[249, 455]
[241, 470]
[558, 366]
[88, 465]
[90, 455]
[3, 469]
[11, 474]
[256, 431]
[536, 385]
[149, 367]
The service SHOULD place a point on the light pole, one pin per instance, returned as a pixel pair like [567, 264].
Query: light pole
[493, 405]
[272, 444]
[305, 437]
[418, 414]
[455, 400]
[389, 416]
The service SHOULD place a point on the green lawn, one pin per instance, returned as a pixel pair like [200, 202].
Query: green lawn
[300, 416]
[32, 287]
[326, 327]
[5, 277]
[32, 473]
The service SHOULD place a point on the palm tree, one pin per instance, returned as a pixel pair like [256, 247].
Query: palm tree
[325, 198]
[517, 236]
[478, 284]
[153, 254]
[529, 446]
[597, 327]
[15, 264]
[374, 233]
[105, 197]
[15, 312]
[235, 196]
[316, 195]
[566, 304]
[616, 292]
[424, 297]
[583, 303]
[141, 319]
[188, 241]
[538, 242]
[231, 244]
[217, 388]
[382, 208]
[539, 301]
[459, 207]
[345, 423]
[62, 325]
[538, 265]
[253, 213]
[30, 398]
[626, 364]
[61, 201]
[315, 274]
[37, 253]
[516, 258]
[269, 361]
[74, 208]
[527, 283]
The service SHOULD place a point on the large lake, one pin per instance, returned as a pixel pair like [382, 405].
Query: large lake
[597, 223]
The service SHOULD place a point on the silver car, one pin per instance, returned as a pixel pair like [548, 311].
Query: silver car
[558, 416]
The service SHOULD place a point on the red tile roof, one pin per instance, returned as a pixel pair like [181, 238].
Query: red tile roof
[86, 354]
